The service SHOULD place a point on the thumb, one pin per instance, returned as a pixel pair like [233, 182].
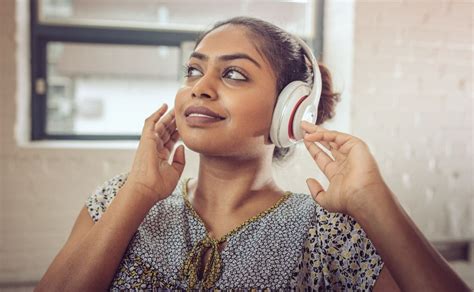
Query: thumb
[317, 191]
[178, 159]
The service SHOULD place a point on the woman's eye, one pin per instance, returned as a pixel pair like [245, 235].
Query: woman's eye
[192, 72]
[234, 75]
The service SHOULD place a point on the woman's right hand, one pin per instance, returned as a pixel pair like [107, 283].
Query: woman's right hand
[151, 175]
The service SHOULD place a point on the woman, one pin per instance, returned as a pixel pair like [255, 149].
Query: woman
[232, 227]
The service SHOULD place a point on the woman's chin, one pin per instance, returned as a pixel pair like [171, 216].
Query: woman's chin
[220, 145]
[204, 146]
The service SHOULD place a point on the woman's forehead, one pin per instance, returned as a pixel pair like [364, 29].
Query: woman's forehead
[229, 39]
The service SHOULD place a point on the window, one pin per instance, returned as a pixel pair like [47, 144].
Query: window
[99, 67]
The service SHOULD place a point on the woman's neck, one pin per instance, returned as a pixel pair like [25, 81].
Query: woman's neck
[225, 184]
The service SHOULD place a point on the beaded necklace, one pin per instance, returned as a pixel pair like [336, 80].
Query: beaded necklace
[213, 268]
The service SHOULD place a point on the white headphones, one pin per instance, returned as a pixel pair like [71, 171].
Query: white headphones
[297, 102]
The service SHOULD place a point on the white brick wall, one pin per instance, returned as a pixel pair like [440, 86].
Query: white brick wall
[411, 101]
[413, 104]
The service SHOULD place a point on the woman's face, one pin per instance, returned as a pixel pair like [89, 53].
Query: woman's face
[225, 105]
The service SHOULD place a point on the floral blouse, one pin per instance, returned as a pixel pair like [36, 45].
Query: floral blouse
[294, 245]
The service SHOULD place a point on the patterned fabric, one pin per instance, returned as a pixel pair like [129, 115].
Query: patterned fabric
[337, 256]
[297, 245]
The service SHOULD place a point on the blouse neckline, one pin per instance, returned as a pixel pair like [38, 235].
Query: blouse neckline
[213, 268]
[252, 219]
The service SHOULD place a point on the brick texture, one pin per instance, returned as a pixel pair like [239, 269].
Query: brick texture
[412, 103]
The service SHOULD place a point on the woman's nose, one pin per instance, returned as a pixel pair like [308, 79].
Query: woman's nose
[204, 87]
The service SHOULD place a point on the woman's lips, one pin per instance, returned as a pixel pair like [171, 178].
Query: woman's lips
[201, 116]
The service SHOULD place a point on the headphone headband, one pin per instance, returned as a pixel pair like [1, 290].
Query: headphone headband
[316, 87]
[296, 102]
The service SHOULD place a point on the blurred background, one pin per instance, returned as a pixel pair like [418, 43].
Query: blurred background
[78, 77]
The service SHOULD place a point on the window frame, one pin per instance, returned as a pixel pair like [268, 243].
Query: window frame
[43, 33]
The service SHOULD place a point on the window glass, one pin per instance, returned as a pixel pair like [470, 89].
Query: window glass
[294, 15]
[108, 89]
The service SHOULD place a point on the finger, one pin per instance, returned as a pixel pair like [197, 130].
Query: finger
[323, 160]
[338, 155]
[167, 120]
[312, 128]
[179, 159]
[172, 126]
[172, 141]
[333, 149]
[175, 136]
[316, 190]
[151, 120]
[165, 131]
[162, 134]
[325, 144]
[309, 127]
[339, 139]
[159, 143]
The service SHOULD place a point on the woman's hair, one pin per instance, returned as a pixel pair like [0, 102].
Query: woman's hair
[288, 61]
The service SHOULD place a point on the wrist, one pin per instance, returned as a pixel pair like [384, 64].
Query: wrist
[368, 201]
[140, 192]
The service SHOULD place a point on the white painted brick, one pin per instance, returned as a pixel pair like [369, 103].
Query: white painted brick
[421, 97]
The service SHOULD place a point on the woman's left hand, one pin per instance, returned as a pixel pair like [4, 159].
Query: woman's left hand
[353, 176]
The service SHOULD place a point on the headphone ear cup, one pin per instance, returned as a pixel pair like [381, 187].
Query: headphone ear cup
[290, 98]
[306, 111]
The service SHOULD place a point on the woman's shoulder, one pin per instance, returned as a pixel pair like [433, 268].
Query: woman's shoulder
[335, 232]
[301, 201]
[337, 253]
[322, 219]
[327, 225]
[98, 202]
[333, 223]
[100, 199]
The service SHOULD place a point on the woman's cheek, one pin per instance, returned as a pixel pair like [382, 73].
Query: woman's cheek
[179, 107]
[179, 124]
[256, 117]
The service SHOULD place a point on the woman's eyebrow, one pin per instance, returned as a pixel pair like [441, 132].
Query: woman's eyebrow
[239, 56]
[230, 57]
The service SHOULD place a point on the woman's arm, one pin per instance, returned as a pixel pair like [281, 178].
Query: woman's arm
[385, 282]
[413, 262]
[356, 188]
[91, 255]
